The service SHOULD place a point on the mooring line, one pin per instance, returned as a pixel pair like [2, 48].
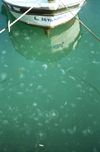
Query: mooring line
[9, 25]
[80, 21]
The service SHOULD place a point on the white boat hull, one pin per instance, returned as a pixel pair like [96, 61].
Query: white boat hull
[46, 21]
[44, 14]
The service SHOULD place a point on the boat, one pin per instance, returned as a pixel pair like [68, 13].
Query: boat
[44, 13]
[31, 42]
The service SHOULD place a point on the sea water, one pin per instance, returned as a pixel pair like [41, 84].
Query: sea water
[50, 86]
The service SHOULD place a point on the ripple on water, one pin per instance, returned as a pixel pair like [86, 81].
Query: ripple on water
[40, 135]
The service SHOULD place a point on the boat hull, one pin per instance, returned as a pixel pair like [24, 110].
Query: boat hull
[47, 17]
[46, 21]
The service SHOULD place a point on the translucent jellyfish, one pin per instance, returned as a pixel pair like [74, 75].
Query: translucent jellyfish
[6, 66]
[22, 84]
[16, 33]
[1, 132]
[4, 52]
[73, 105]
[65, 103]
[45, 66]
[72, 78]
[5, 122]
[15, 118]
[3, 76]
[63, 81]
[54, 114]
[1, 112]
[31, 116]
[31, 84]
[63, 131]
[72, 131]
[55, 124]
[85, 132]
[78, 86]
[39, 87]
[62, 71]
[34, 104]
[36, 118]
[90, 130]
[20, 93]
[27, 38]
[40, 135]
[44, 90]
[46, 115]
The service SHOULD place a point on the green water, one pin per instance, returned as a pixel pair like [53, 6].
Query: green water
[50, 86]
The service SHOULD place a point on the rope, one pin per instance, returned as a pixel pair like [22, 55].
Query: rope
[9, 25]
[80, 21]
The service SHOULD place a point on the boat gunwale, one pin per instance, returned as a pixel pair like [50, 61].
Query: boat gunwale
[46, 8]
[43, 11]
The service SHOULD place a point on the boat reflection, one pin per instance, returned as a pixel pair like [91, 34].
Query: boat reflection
[32, 43]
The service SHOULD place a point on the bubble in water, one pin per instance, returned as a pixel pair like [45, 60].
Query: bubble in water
[54, 114]
[40, 135]
[5, 122]
[3, 76]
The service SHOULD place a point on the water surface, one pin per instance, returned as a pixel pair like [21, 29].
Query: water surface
[50, 86]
